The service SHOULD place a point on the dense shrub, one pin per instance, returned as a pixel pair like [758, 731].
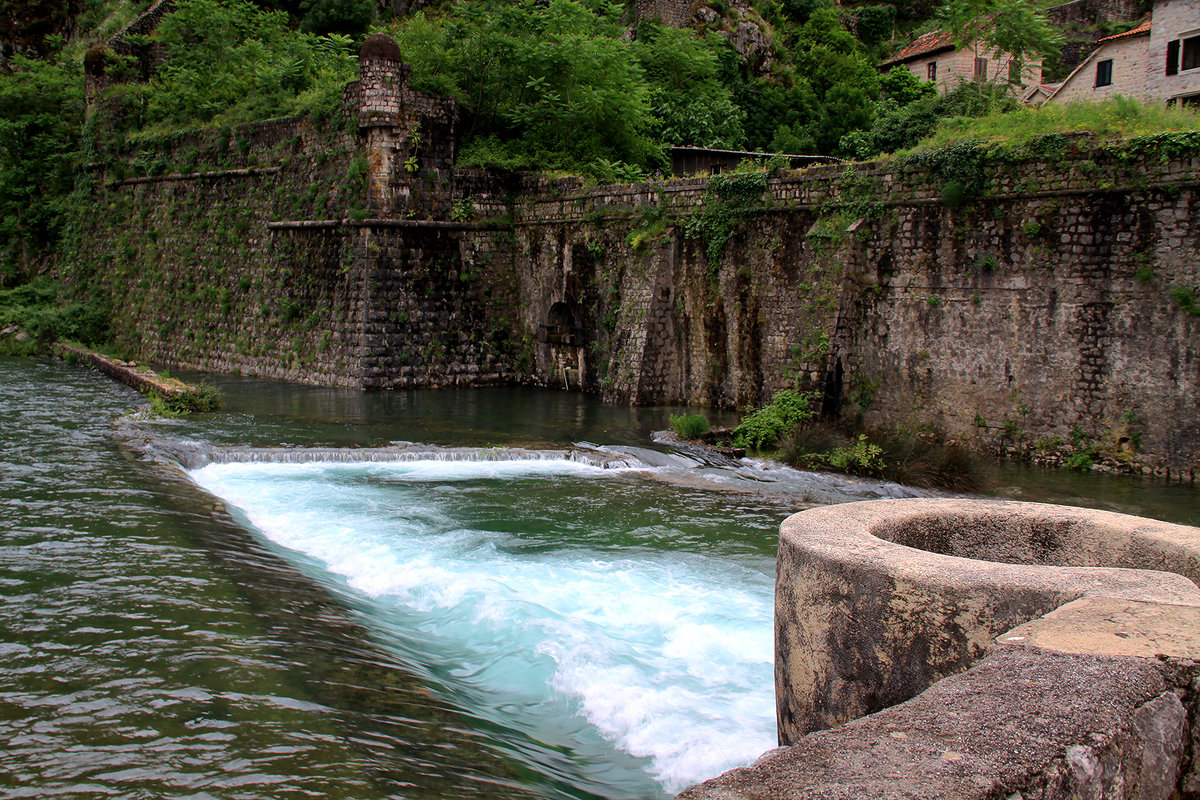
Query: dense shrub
[898, 455]
[689, 426]
[347, 17]
[41, 114]
[554, 84]
[910, 114]
[764, 427]
[37, 308]
[228, 61]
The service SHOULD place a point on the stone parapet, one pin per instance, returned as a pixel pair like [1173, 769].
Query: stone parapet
[1021, 724]
[978, 649]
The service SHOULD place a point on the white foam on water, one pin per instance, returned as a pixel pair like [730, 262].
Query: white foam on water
[666, 655]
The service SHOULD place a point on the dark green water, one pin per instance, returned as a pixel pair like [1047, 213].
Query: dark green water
[153, 647]
[156, 644]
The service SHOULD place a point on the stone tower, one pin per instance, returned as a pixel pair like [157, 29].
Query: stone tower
[409, 136]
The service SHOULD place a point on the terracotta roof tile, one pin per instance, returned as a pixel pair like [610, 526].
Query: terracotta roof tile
[1138, 31]
[932, 42]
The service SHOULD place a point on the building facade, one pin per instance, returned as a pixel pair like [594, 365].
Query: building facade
[1173, 63]
[934, 57]
[1159, 60]
[1116, 67]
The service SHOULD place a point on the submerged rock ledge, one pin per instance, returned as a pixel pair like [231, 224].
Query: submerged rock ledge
[1065, 665]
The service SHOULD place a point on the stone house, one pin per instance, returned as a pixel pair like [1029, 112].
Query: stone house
[934, 57]
[1173, 65]
[1157, 60]
[1116, 66]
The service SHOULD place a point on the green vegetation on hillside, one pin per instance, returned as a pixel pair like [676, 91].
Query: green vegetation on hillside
[36, 308]
[229, 61]
[1117, 119]
[550, 85]
[553, 85]
[41, 115]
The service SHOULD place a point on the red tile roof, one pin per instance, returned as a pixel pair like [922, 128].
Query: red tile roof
[1141, 29]
[926, 44]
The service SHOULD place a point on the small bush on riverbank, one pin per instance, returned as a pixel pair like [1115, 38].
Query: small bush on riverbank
[763, 428]
[689, 426]
[898, 455]
[203, 397]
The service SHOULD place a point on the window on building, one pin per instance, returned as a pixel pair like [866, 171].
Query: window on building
[1191, 101]
[1014, 73]
[1191, 53]
[1173, 57]
[1104, 72]
[931, 71]
[981, 65]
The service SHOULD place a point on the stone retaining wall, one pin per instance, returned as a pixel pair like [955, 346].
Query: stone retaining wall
[314, 251]
[1037, 313]
[1035, 308]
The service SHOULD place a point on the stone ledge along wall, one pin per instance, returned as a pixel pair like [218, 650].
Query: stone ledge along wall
[1037, 311]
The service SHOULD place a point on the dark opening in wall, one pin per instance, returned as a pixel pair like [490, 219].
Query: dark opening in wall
[831, 390]
[560, 326]
[884, 268]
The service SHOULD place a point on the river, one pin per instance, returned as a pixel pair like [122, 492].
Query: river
[528, 599]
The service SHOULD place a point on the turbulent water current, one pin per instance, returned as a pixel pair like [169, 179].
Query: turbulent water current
[321, 593]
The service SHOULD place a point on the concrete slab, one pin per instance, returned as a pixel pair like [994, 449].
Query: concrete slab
[1113, 626]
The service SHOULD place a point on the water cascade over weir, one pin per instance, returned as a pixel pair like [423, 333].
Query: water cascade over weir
[513, 576]
[544, 619]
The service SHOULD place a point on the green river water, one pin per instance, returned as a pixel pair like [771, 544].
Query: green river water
[297, 622]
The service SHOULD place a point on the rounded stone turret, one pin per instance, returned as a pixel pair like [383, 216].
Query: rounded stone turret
[383, 76]
[379, 47]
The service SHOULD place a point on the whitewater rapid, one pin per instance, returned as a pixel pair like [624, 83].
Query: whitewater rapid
[634, 659]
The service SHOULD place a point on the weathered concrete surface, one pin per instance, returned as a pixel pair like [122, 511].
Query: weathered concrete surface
[1023, 723]
[864, 620]
[1113, 626]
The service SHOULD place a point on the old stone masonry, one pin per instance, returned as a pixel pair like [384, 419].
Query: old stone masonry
[1053, 304]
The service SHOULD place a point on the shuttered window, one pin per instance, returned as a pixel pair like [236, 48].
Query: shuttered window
[1191, 53]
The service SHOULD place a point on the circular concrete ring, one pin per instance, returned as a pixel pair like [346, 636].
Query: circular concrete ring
[875, 601]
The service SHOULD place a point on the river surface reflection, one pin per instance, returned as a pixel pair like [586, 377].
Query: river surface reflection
[474, 626]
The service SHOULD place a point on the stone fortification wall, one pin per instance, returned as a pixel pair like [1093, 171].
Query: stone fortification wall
[660, 326]
[319, 252]
[1039, 314]
[1024, 301]
[1035, 312]
[675, 13]
[195, 275]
